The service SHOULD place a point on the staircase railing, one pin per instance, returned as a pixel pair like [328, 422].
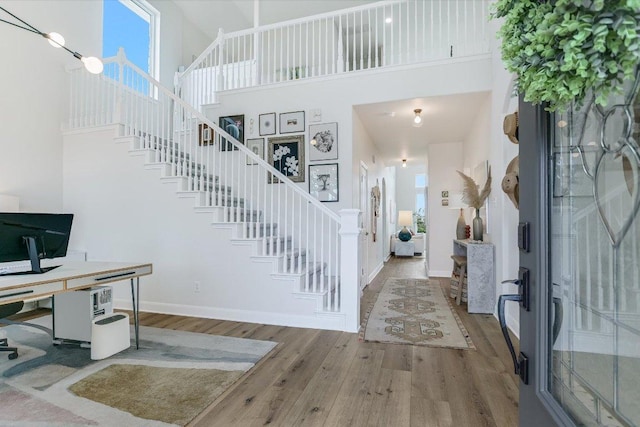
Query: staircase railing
[383, 34]
[226, 175]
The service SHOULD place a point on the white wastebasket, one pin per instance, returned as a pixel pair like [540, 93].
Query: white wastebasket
[109, 335]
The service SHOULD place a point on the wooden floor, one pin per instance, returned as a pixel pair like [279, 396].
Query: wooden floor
[327, 378]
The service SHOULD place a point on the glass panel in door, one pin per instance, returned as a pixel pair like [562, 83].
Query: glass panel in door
[594, 258]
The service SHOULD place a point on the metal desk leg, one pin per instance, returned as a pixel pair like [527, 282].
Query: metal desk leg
[135, 299]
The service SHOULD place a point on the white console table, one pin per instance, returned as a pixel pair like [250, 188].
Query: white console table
[481, 288]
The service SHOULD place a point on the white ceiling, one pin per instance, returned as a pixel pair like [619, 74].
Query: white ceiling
[445, 119]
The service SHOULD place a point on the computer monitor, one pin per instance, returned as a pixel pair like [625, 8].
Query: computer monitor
[32, 237]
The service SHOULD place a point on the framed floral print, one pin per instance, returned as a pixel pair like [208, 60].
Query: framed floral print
[286, 154]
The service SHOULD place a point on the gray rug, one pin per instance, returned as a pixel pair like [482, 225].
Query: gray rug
[172, 369]
[415, 311]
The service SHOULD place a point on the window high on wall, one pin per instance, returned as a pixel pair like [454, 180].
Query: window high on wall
[133, 25]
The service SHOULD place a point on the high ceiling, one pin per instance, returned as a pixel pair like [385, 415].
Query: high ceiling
[234, 15]
[446, 118]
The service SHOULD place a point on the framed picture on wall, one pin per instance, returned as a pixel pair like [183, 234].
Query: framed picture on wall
[267, 124]
[286, 154]
[234, 126]
[292, 122]
[257, 146]
[323, 142]
[323, 182]
[205, 134]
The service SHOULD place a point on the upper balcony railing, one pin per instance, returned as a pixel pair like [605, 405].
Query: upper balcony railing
[383, 34]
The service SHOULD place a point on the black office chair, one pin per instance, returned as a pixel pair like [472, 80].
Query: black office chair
[7, 310]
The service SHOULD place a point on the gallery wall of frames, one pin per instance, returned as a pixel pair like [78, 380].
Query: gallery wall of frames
[283, 145]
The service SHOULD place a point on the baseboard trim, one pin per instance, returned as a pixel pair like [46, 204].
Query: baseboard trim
[439, 273]
[335, 322]
[375, 272]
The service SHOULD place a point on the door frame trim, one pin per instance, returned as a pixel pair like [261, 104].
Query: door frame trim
[536, 140]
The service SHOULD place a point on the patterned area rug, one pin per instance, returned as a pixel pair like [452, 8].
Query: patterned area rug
[415, 311]
[171, 379]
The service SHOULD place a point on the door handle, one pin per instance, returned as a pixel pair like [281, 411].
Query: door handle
[503, 322]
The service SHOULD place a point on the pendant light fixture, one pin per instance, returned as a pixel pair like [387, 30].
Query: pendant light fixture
[417, 120]
[91, 63]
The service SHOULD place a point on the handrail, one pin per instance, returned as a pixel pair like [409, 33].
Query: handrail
[311, 18]
[383, 34]
[227, 136]
[203, 55]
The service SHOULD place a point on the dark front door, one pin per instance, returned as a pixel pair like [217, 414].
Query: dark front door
[580, 232]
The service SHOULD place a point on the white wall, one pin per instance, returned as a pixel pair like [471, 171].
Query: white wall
[444, 160]
[365, 151]
[179, 40]
[126, 213]
[503, 216]
[335, 97]
[34, 92]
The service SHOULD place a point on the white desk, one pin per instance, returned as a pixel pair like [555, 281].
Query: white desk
[72, 276]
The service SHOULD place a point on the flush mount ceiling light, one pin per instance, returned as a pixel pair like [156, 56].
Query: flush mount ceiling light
[91, 63]
[404, 163]
[417, 120]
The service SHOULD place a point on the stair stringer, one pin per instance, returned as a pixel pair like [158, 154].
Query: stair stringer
[87, 165]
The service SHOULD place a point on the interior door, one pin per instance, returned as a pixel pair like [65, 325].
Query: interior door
[580, 245]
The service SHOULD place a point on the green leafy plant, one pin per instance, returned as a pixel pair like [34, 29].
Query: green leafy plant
[562, 51]
[418, 217]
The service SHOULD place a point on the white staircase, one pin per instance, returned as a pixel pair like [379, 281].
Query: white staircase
[279, 224]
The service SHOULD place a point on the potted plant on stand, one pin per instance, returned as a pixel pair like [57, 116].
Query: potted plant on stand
[475, 198]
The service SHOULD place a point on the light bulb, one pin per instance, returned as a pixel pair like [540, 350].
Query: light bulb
[417, 120]
[92, 64]
[313, 141]
[55, 39]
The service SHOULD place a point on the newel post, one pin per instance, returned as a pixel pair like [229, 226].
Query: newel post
[350, 267]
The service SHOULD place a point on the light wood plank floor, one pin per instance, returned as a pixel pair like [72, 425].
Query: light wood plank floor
[328, 378]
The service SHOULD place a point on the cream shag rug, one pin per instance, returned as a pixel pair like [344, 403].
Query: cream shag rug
[417, 312]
